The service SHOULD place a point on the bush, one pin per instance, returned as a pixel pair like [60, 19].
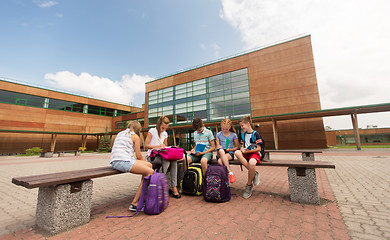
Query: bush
[33, 151]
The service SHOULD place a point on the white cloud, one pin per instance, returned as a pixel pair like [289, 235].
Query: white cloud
[349, 38]
[122, 91]
[45, 3]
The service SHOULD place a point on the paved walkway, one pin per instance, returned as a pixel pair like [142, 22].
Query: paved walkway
[360, 184]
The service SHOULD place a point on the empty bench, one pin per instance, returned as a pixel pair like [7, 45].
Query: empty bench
[302, 178]
[64, 198]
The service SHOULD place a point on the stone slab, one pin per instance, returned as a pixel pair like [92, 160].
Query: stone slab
[63, 207]
[303, 189]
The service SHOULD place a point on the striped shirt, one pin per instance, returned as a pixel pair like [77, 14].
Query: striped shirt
[123, 148]
[204, 137]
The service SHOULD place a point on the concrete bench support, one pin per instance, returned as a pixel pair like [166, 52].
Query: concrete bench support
[308, 156]
[61, 154]
[46, 154]
[65, 206]
[303, 185]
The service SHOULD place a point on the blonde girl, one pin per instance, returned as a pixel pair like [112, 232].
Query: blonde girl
[158, 138]
[126, 156]
[227, 143]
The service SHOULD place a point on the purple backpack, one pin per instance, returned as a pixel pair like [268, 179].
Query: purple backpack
[155, 192]
[216, 185]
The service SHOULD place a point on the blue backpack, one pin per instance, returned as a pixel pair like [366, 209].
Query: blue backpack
[216, 184]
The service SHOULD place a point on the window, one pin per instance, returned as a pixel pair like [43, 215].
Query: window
[212, 98]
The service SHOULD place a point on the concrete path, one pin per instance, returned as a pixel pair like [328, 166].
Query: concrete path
[360, 184]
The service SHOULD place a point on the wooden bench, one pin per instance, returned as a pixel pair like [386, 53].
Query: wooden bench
[307, 155]
[302, 178]
[64, 198]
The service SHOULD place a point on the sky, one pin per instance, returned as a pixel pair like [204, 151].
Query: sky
[109, 49]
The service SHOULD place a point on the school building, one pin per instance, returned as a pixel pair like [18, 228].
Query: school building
[277, 79]
[275, 84]
[52, 120]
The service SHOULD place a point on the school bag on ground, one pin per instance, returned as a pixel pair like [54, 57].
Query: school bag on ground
[216, 184]
[155, 192]
[192, 180]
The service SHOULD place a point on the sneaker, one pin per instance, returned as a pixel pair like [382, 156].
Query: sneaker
[232, 178]
[256, 179]
[248, 191]
[133, 208]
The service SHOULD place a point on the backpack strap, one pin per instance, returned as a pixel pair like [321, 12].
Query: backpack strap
[253, 136]
[143, 193]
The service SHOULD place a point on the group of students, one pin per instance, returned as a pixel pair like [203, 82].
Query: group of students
[126, 151]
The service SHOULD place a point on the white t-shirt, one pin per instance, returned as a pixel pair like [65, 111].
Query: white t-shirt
[155, 139]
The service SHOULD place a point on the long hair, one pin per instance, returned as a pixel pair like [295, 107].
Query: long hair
[227, 121]
[136, 127]
[162, 120]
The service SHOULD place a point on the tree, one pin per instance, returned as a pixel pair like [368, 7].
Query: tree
[105, 143]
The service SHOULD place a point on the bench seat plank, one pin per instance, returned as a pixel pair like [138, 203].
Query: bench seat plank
[291, 163]
[295, 151]
[53, 179]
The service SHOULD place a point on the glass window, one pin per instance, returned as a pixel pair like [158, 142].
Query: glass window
[179, 96]
[215, 78]
[92, 109]
[168, 89]
[35, 101]
[240, 95]
[241, 101]
[153, 110]
[7, 97]
[216, 99]
[201, 81]
[181, 86]
[199, 87]
[180, 91]
[201, 114]
[240, 89]
[78, 107]
[243, 71]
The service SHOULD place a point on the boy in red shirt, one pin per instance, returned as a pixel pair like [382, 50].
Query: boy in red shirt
[249, 155]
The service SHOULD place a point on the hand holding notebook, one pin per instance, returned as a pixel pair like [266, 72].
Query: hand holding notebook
[199, 148]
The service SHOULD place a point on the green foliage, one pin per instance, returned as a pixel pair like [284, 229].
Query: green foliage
[105, 143]
[33, 151]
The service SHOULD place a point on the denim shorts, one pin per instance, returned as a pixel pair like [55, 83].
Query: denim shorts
[122, 166]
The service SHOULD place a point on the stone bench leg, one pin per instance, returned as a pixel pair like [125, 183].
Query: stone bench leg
[63, 207]
[46, 154]
[266, 156]
[303, 185]
[61, 154]
[308, 156]
[77, 153]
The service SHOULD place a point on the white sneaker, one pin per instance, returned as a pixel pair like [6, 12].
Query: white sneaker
[248, 191]
[256, 179]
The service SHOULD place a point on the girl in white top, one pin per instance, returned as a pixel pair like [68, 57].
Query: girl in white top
[158, 138]
[126, 156]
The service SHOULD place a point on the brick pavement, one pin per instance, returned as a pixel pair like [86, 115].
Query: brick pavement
[268, 214]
